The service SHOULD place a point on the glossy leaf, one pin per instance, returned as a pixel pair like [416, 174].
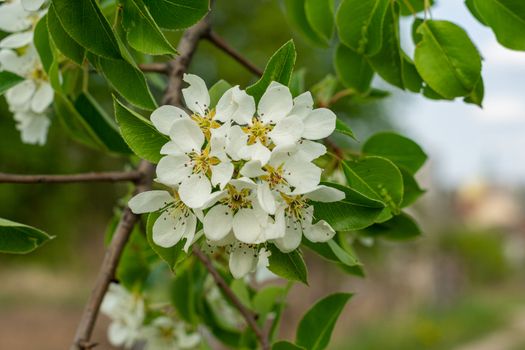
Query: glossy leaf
[359, 24]
[86, 24]
[476, 96]
[140, 135]
[279, 68]
[343, 128]
[290, 266]
[446, 59]
[412, 7]
[62, 40]
[173, 255]
[400, 227]
[143, 34]
[18, 238]
[474, 11]
[353, 69]
[399, 149]
[42, 44]
[346, 216]
[9, 80]
[412, 191]
[316, 326]
[177, 14]
[320, 16]
[296, 14]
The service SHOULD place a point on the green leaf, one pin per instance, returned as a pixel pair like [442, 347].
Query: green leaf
[173, 255]
[290, 266]
[412, 7]
[177, 14]
[474, 11]
[400, 227]
[352, 69]
[62, 40]
[267, 298]
[412, 191]
[217, 90]
[133, 268]
[140, 135]
[446, 59]
[346, 216]
[8, 80]
[143, 34]
[333, 252]
[316, 326]
[183, 294]
[399, 149]
[343, 128]
[377, 178]
[279, 68]
[86, 24]
[360, 24]
[42, 44]
[129, 81]
[355, 197]
[324, 90]
[101, 125]
[296, 14]
[286, 345]
[297, 82]
[476, 96]
[17, 238]
[320, 15]
[506, 18]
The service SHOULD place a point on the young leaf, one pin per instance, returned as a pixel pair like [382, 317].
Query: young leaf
[8, 80]
[399, 149]
[446, 59]
[296, 13]
[288, 265]
[177, 14]
[128, 81]
[506, 18]
[353, 69]
[140, 135]
[143, 34]
[279, 68]
[86, 24]
[285, 345]
[360, 23]
[399, 227]
[17, 238]
[377, 178]
[316, 326]
[172, 256]
[320, 15]
[343, 128]
[62, 40]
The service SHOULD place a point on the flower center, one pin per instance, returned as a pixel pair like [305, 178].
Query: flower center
[202, 162]
[257, 131]
[274, 176]
[296, 205]
[206, 123]
[237, 199]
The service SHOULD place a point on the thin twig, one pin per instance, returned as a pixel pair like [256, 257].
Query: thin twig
[115, 176]
[248, 315]
[224, 46]
[157, 67]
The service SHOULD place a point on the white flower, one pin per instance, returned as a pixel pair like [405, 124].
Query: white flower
[126, 312]
[299, 217]
[32, 126]
[14, 18]
[175, 222]
[164, 333]
[317, 123]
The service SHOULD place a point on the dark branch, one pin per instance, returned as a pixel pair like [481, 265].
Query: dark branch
[116, 176]
[248, 315]
[223, 45]
[162, 68]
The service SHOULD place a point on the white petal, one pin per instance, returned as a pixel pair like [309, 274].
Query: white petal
[196, 95]
[292, 237]
[243, 183]
[256, 152]
[20, 94]
[118, 333]
[32, 5]
[195, 191]
[276, 228]
[218, 222]
[287, 131]
[171, 148]
[266, 198]
[302, 105]
[214, 198]
[221, 174]
[14, 18]
[245, 226]
[252, 169]
[243, 260]
[172, 170]
[149, 201]
[310, 150]
[325, 194]
[33, 129]
[16, 40]
[169, 229]
[187, 135]
[275, 103]
[304, 176]
[320, 123]
[164, 116]
[42, 98]
[235, 105]
[319, 232]
[237, 139]
[189, 234]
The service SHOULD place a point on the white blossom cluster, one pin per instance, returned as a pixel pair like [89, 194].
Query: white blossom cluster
[245, 171]
[128, 326]
[29, 100]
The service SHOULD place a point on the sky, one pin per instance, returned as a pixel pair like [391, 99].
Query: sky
[463, 141]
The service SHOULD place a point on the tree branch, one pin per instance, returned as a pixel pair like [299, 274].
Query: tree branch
[156, 67]
[116, 176]
[224, 46]
[248, 315]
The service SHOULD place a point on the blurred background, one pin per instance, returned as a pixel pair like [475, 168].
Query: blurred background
[459, 286]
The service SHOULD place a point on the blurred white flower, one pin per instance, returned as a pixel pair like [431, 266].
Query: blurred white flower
[164, 333]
